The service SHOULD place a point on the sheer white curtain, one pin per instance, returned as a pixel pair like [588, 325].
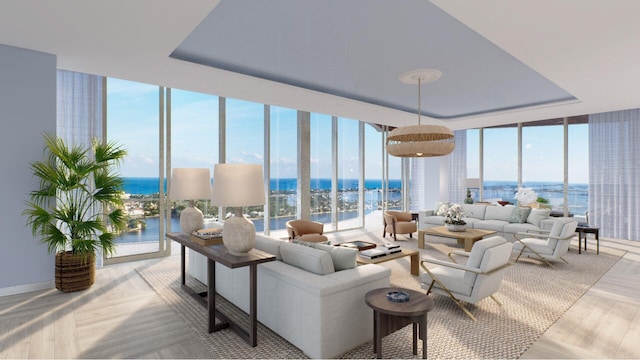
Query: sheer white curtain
[424, 168]
[79, 107]
[458, 168]
[79, 111]
[614, 173]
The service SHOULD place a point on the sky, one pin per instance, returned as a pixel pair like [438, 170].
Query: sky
[133, 108]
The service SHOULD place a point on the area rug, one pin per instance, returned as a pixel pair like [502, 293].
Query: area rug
[533, 297]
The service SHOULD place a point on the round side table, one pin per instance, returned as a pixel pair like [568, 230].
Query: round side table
[389, 316]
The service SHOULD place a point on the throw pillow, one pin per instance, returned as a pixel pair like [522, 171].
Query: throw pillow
[520, 215]
[537, 215]
[343, 257]
[307, 258]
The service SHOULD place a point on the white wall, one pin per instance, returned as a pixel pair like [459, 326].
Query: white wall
[27, 109]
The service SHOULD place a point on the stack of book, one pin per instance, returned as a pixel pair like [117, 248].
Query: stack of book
[207, 236]
[380, 251]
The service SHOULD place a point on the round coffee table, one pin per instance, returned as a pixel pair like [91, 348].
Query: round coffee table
[389, 316]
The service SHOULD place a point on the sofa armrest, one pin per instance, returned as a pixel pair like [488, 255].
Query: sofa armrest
[424, 213]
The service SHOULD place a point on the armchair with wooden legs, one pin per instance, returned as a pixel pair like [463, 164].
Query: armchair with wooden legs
[478, 278]
[398, 222]
[547, 246]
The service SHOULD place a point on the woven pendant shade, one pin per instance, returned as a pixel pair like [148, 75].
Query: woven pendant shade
[420, 140]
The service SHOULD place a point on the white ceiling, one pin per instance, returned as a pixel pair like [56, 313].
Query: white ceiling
[587, 48]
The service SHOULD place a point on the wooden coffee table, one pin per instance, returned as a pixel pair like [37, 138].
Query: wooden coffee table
[467, 237]
[413, 254]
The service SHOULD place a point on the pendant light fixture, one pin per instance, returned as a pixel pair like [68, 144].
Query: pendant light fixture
[420, 140]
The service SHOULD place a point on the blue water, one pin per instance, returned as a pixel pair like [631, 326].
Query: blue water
[148, 186]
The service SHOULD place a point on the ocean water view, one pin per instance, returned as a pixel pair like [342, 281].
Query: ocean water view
[146, 189]
[149, 186]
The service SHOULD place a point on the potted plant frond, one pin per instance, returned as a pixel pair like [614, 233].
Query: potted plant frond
[78, 207]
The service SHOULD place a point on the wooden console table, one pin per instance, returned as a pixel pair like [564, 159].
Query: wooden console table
[219, 253]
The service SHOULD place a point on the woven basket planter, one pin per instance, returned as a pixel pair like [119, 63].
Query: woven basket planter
[74, 272]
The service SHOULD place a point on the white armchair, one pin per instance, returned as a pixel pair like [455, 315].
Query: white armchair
[478, 278]
[547, 245]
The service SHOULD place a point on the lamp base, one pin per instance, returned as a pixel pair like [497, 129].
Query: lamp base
[238, 234]
[191, 219]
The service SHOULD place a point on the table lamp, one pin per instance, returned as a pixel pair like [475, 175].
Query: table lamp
[190, 184]
[238, 185]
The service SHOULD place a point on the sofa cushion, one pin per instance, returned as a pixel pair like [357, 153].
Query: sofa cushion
[269, 244]
[495, 225]
[432, 220]
[520, 215]
[536, 215]
[513, 228]
[343, 257]
[307, 258]
[475, 211]
[499, 212]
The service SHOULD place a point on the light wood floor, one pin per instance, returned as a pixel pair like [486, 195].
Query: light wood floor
[121, 317]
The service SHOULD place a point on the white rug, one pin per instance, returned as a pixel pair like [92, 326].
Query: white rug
[533, 295]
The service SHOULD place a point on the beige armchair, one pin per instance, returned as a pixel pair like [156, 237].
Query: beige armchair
[306, 230]
[478, 277]
[398, 222]
[547, 245]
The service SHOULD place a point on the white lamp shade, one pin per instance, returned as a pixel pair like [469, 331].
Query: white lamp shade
[190, 184]
[472, 183]
[238, 185]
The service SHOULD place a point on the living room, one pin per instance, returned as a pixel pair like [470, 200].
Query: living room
[45, 52]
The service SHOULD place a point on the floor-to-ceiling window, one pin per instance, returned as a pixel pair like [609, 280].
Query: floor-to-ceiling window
[283, 166]
[373, 169]
[194, 143]
[578, 161]
[320, 167]
[500, 163]
[245, 144]
[348, 173]
[133, 122]
[543, 162]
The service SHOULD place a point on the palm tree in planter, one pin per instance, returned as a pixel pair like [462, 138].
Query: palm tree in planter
[78, 207]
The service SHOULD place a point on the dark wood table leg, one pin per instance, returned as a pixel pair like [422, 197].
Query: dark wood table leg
[415, 339]
[377, 337]
[585, 241]
[253, 305]
[580, 242]
[597, 233]
[182, 265]
[423, 334]
[211, 294]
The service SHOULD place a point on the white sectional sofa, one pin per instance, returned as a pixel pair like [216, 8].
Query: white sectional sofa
[506, 220]
[323, 315]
